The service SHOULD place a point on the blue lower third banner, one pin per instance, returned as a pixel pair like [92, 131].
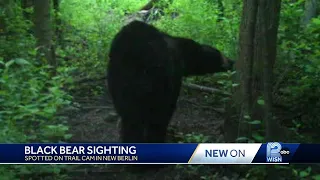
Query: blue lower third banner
[231, 153]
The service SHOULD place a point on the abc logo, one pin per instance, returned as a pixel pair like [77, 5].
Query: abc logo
[284, 151]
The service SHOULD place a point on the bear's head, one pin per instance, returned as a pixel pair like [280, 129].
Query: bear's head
[205, 59]
[213, 60]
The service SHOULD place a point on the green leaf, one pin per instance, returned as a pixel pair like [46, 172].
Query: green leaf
[63, 128]
[282, 167]
[32, 137]
[235, 85]
[258, 137]
[21, 61]
[309, 169]
[254, 122]
[67, 136]
[49, 110]
[9, 63]
[51, 126]
[247, 117]
[220, 82]
[316, 177]
[242, 139]
[260, 101]
[303, 174]
[316, 21]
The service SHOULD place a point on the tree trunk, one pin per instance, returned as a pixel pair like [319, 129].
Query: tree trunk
[242, 97]
[271, 14]
[58, 22]
[258, 40]
[43, 32]
[310, 11]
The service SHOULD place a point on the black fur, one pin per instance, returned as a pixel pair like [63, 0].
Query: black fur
[144, 77]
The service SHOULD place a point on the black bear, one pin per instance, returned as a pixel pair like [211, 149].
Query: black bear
[144, 77]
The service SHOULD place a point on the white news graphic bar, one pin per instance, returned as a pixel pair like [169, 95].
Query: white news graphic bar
[239, 153]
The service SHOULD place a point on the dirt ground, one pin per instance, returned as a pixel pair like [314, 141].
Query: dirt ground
[96, 121]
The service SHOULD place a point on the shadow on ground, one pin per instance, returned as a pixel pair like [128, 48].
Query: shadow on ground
[96, 121]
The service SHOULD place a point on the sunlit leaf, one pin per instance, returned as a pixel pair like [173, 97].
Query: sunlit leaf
[257, 137]
[260, 101]
[21, 61]
[254, 122]
[241, 139]
[303, 174]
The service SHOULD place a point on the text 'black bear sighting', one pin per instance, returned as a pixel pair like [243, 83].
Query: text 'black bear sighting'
[145, 74]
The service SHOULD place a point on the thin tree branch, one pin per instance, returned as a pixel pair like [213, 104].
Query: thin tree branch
[187, 85]
[204, 88]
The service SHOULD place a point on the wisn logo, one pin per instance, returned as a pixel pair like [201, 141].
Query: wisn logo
[275, 152]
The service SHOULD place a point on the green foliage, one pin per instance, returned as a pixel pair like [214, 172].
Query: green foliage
[29, 102]
[256, 136]
[29, 99]
[14, 34]
[203, 15]
[88, 38]
[298, 66]
[302, 173]
[192, 138]
[30, 96]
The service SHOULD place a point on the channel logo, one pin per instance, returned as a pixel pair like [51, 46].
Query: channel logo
[275, 152]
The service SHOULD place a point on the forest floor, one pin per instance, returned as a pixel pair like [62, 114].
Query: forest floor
[96, 122]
